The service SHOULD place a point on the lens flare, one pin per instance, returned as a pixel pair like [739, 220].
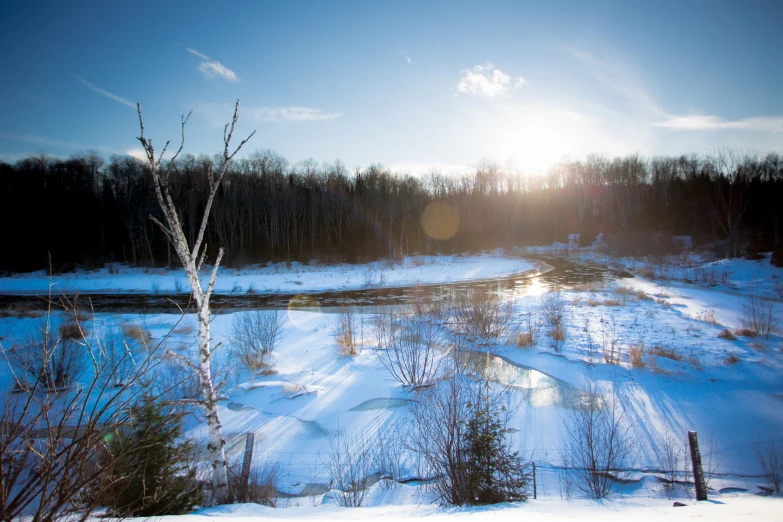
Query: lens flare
[302, 303]
[439, 220]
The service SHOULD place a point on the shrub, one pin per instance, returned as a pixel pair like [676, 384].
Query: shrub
[350, 464]
[758, 315]
[494, 473]
[599, 444]
[412, 353]
[261, 487]
[254, 335]
[481, 314]
[553, 314]
[731, 359]
[460, 431]
[49, 360]
[770, 458]
[151, 476]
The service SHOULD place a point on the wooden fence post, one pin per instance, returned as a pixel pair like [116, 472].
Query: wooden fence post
[535, 493]
[698, 472]
[245, 477]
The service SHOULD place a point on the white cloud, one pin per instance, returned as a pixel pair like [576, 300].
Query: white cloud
[107, 94]
[212, 68]
[487, 81]
[137, 153]
[700, 122]
[408, 59]
[290, 114]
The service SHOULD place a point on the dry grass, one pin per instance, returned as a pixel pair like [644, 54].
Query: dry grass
[641, 295]
[576, 301]
[731, 359]
[525, 339]
[668, 353]
[558, 333]
[613, 302]
[745, 332]
[592, 301]
[636, 356]
[184, 330]
[268, 371]
[726, 334]
[346, 344]
[292, 387]
[136, 332]
[758, 346]
[707, 316]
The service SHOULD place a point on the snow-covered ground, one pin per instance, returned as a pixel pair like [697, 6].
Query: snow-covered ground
[728, 508]
[686, 377]
[273, 278]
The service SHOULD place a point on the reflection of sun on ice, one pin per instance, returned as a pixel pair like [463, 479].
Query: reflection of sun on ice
[536, 287]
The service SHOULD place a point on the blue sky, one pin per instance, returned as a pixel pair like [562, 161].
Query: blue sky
[411, 85]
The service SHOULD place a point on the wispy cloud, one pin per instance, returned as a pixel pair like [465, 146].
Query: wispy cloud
[260, 113]
[408, 60]
[212, 68]
[487, 81]
[105, 93]
[700, 122]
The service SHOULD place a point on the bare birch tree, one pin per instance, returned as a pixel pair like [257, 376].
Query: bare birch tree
[192, 258]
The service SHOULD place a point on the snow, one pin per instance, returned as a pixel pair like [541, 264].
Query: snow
[275, 278]
[733, 507]
[295, 412]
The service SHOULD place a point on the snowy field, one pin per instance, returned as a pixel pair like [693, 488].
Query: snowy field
[274, 278]
[657, 342]
[729, 507]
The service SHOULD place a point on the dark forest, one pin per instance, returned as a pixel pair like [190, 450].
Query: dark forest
[86, 211]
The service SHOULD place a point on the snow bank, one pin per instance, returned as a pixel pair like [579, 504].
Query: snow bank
[274, 278]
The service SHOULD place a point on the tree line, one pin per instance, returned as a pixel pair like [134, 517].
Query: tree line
[87, 211]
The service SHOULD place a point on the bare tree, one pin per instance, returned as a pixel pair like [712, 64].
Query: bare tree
[672, 454]
[770, 457]
[413, 352]
[731, 198]
[255, 334]
[192, 258]
[351, 461]
[599, 443]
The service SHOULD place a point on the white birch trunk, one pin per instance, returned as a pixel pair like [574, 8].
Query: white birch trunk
[191, 260]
